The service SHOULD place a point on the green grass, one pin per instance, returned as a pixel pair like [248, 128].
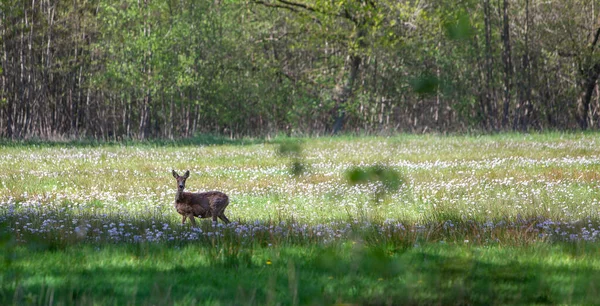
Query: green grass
[501, 219]
[346, 273]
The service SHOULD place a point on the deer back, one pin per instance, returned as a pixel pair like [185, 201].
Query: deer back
[203, 204]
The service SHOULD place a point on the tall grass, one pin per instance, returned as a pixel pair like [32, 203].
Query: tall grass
[463, 220]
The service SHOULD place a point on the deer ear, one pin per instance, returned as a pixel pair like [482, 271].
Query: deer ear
[187, 174]
[175, 175]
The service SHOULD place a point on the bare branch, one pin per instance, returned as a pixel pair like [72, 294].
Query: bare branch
[596, 37]
[300, 5]
[297, 6]
[275, 5]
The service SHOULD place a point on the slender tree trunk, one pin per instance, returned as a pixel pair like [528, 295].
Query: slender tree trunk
[171, 122]
[507, 59]
[528, 104]
[127, 116]
[490, 110]
[145, 117]
[8, 77]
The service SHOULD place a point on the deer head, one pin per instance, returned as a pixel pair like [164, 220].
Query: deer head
[181, 180]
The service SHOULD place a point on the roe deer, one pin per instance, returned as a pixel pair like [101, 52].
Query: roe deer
[202, 205]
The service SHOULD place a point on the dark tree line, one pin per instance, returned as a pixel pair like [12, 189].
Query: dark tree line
[145, 69]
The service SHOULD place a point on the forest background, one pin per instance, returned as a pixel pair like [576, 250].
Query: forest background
[140, 69]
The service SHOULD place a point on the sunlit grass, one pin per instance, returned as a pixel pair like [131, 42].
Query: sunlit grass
[488, 177]
[467, 208]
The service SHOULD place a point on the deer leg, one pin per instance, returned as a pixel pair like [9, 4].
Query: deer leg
[222, 217]
[214, 217]
[183, 219]
[193, 221]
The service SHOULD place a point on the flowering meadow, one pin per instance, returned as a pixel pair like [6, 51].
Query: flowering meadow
[475, 219]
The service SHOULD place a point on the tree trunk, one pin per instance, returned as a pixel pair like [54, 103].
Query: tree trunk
[583, 107]
[490, 109]
[506, 58]
[343, 93]
[590, 75]
[526, 105]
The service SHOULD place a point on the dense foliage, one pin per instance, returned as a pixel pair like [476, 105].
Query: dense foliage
[160, 69]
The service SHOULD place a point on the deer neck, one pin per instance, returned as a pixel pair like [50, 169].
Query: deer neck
[179, 196]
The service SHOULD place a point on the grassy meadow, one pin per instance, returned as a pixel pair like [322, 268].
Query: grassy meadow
[501, 219]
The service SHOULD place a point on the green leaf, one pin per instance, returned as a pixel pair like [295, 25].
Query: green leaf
[357, 176]
[425, 84]
[459, 28]
[290, 148]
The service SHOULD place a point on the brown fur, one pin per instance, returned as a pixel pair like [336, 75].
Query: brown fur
[201, 205]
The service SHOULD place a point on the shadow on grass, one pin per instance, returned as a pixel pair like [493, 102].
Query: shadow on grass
[160, 275]
[363, 268]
